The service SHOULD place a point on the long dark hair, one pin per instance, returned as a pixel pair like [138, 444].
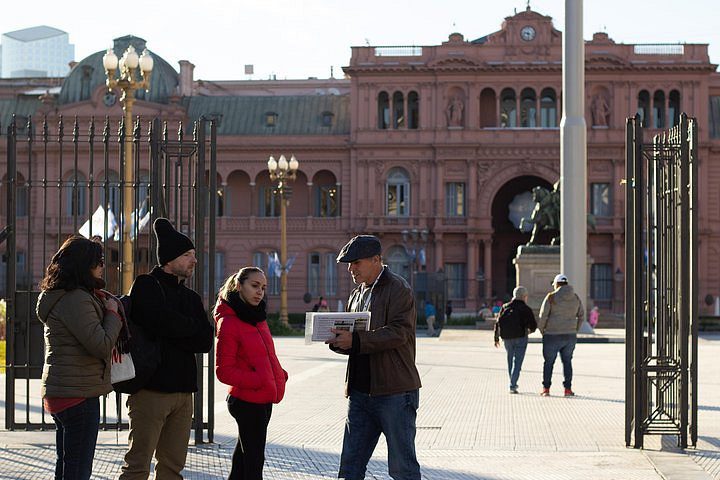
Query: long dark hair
[71, 266]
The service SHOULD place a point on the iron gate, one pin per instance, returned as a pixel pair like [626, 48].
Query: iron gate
[63, 178]
[661, 283]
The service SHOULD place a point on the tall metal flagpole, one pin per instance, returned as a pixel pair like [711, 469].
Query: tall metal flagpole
[573, 153]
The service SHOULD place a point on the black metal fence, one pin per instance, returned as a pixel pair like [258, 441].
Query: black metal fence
[66, 178]
[661, 295]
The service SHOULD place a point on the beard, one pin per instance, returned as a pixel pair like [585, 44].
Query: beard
[183, 273]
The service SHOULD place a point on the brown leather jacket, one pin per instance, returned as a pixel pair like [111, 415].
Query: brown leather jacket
[390, 342]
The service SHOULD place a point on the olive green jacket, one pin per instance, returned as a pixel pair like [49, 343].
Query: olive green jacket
[79, 338]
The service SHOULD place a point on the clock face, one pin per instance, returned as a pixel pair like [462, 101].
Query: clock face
[109, 99]
[527, 33]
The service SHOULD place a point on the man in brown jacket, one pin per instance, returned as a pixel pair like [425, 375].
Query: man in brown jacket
[382, 382]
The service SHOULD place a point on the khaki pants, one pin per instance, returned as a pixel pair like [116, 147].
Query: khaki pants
[159, 423]
[431, 326]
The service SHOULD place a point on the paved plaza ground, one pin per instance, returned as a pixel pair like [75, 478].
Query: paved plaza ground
[469, 427]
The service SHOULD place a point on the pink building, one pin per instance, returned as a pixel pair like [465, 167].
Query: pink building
[434, 149]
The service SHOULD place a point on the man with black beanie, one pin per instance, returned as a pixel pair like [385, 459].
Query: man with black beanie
[161, 412]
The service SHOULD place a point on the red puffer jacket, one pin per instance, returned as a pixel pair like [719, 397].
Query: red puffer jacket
[245, 358]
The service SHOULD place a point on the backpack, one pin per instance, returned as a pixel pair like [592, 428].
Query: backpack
[510, 323]
[144, 349]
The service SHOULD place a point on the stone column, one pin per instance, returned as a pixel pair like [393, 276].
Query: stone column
[438, 252]
[573, 153]
[487, 261]
[472, 264]
[471, 193]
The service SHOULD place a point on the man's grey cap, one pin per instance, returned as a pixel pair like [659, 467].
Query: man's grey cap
[362, 246]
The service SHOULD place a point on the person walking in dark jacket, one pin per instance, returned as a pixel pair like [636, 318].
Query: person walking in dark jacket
[161, 412]
[81, 328]
[514, 323]
[382, 382]
[246, 361]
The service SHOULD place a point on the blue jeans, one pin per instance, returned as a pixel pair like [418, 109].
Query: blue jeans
[75, 438]
[564, 345]
[515, 348]
[368, 416]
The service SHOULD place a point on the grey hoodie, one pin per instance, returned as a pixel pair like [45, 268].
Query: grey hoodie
[561, 312]
[79, 338]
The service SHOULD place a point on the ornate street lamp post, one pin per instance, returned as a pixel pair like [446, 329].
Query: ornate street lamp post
[134, 74]
[282, 172]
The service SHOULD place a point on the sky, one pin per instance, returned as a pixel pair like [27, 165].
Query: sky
[297, 39]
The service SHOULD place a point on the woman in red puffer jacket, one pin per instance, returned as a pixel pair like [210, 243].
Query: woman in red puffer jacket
[245, 359]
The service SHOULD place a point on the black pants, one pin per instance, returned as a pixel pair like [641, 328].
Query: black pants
[249, 456]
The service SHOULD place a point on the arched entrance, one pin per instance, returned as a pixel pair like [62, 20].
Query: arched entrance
[511, 203]
[398, 261]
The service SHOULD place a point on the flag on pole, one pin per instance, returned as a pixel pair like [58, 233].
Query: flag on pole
[143, 214]
[95, 225]
[274, 267]
[290, 263]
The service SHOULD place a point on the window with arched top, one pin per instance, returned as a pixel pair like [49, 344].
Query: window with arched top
[508, 108]
[528, 108]
[398, 110]
[548, 108]
[398, 261]
[383, 111]
[659, 109]
[643, 108]
[488, 108]
[397, 193]
[326, 193]
[673, 113]
[322, 274]
[413, 115]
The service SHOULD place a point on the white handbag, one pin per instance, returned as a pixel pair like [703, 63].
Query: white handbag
[121, 367]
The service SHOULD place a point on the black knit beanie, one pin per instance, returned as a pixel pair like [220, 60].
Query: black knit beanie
[170, 243]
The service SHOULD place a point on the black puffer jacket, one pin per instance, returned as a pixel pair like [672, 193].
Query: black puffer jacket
[518, 320]
[177, 318]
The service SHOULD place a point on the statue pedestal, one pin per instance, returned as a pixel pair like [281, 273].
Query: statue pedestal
[535, 268]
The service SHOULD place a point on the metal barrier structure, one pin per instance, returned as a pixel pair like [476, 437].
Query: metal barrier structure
[63, 178]
[661, 292]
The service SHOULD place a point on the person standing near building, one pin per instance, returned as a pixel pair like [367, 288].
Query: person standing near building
[382, 382]
[485, 314]
[81, 325]
[561, 315]
[430, 318]
[161, 412]
[594, 316]
[514, 323]
[246, 361]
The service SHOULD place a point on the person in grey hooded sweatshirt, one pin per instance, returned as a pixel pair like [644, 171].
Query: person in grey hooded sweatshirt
[561, 315]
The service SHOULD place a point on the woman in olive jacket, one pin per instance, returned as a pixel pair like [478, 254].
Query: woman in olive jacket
[246, 360]
[81, 328]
